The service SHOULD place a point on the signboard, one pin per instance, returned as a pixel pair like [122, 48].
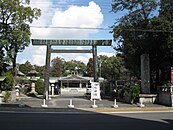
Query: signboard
[71, 42]
[172, 76]
[95, 90]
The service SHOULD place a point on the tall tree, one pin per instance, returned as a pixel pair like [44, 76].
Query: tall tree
[1, 59]
[26, 67]
[162, 52]
[74, 67]
[40, 70]
[112, 67]
[14, 26]
[130, 30]
[56, 67]
[90, 71]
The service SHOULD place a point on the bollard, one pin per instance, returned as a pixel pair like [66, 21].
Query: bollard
[50, 97]
[115, 104]
[94, 105]
[71, 104]
[141, 104]
[44, 104]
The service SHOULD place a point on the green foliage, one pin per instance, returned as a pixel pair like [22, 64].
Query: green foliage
[56, 67]
[8, 84]
[111, 68]
[142, 30]
[7, 96]
[26, 67]
[22, 80]
[1, 59]
[40, 70]
[132, 91]
[166, 83]
[14, 24]
[90, 68]
[39, 87]
[74, 66]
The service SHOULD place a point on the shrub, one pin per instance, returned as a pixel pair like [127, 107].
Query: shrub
[39, 87]
[7, 96]
[133, 92]
[8, 84]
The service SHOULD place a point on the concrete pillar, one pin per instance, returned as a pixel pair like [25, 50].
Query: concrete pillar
[47, 71]
[1, 98]
[95, 63]
[80, 85]
[145, 73]
[86, 84]
[53, 91]
[61, 84]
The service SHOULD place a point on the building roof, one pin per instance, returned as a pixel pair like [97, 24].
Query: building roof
[53, 79]
[74, 77]
[19, 73]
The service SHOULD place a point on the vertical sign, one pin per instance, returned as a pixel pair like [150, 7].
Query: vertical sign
[172, 76]
[95, 90]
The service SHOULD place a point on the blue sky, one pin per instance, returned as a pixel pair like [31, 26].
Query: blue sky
[70, 13]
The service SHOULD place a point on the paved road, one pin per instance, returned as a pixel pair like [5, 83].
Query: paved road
[85, 121]
[79, 101]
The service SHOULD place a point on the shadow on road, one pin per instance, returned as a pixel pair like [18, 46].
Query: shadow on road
[75, 119]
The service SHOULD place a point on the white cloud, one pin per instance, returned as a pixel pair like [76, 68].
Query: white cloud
[75, 16]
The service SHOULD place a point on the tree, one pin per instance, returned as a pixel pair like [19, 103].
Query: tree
[90, 68]
[39, 87]
[149, 33]
[56, 67]
[112, 68]
[130, 32]
[26, 67]
[74, 67]
[14, 26]
[40, 70]
[8, 84]
[163, 53]
[1, 59]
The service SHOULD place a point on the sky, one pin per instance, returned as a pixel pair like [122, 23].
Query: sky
[69, 13]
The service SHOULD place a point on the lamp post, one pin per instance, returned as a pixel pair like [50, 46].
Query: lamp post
[33, 79]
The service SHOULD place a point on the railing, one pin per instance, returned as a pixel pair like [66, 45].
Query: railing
[165, 89]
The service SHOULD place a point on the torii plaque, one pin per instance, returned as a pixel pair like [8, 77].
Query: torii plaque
[66, 42]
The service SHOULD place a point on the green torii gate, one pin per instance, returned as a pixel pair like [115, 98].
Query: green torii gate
[55, 42]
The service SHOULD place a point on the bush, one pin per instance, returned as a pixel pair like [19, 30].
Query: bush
[39, 87]
[7, 96]
[22, 80]
[8, 84]
[133, 92]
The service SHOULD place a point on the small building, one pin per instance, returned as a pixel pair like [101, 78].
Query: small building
[71, 83]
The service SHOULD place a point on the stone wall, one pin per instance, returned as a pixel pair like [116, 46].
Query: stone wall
[165, 98]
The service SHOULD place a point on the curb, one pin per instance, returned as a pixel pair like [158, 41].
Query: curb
[84, 110]
[130, 110]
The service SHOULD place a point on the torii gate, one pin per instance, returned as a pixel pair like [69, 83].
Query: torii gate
[55, 42]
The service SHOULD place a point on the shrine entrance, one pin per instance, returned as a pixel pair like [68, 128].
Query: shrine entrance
[49, 43]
